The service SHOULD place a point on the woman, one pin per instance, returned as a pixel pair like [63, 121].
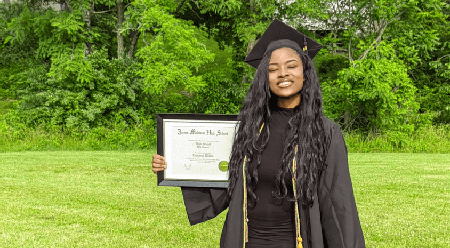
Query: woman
[298, 191]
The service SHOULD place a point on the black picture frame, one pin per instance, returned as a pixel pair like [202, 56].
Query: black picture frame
[160, 118]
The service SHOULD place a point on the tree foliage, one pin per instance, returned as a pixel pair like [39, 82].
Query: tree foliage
[174, 55]
[414, 32]
[374, 93]
[84, 92]
[385, 65]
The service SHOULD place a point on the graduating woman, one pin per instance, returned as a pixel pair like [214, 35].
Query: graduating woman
[289, 179]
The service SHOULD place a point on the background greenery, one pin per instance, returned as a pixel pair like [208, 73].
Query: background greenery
[98, 66]
[110, 199]
[431, 139]
[92, 76]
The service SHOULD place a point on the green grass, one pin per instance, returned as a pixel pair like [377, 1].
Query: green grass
[403, 199]
[117, 136]
[433, 139]
[430, 139]
[114, 137]
[110, 199]
[91, 199]
[5, 106]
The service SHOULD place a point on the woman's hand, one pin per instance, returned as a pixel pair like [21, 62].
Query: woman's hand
[158, 163]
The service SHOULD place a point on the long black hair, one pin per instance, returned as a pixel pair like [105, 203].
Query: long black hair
[305, 129]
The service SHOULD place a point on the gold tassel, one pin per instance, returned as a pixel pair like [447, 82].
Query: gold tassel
[297, 215]
[300, 242]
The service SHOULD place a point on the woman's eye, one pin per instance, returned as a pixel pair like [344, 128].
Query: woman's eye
[272, 70]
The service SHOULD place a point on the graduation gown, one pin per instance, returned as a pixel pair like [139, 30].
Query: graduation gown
[333, 217]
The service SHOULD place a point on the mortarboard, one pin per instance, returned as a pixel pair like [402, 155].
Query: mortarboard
[278, 31]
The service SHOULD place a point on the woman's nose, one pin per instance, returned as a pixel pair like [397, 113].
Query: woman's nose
[282, 72]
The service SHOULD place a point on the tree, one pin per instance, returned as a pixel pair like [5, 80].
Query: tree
[414, 30]
[84, 52]
[133, 58]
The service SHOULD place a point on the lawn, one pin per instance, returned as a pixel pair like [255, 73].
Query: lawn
[110, 199]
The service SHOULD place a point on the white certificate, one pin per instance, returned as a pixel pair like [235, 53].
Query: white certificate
[197, 150]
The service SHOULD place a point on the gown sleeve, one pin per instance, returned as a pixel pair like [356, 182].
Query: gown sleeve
[339, 216]
[203, 204]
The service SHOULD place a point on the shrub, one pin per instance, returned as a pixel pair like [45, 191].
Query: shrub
[374, 94]
[113, 136]
[79, 92]
[429, 139]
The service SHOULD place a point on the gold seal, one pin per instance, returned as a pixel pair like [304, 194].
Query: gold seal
[223, 166]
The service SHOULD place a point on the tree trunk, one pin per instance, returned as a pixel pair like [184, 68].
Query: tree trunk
[134, 36]
[252, 6]
[374, 128]
[250, 46]
[7, 4]
[87, 14]
[120, 42]
[347, 121]
[334, 44]
[179, 7]
[69, 7]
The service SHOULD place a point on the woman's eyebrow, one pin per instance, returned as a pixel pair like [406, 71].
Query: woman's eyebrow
[289, 61]
[292, 60]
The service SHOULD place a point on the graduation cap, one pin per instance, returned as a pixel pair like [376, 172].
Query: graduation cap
[280, 35]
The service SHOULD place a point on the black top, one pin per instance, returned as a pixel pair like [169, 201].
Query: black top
[272, 222]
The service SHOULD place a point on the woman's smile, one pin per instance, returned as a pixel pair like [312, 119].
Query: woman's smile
[283, 84]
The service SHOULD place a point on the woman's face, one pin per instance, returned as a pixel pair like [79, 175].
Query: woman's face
[286, 76]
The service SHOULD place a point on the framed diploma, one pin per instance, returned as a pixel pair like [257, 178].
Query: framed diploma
[197, 149]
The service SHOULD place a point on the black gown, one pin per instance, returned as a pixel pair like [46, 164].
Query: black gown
[332, 220]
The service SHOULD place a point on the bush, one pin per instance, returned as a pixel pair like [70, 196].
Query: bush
[114, 136]
[430, 139]
[5, 107]
[374, 94]
[84, 93]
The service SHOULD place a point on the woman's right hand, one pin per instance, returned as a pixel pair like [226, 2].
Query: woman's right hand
[158, 163]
